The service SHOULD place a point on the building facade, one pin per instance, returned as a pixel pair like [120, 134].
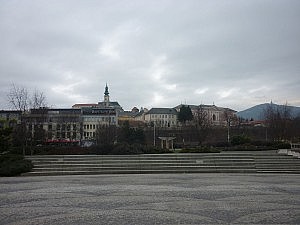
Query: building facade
[10, 118]
[95, 118]
[161, 117]
[217, 116]
[54, 125]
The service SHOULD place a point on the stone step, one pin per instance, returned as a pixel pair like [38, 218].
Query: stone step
[139, 167]
[144, 171]
[227, 162]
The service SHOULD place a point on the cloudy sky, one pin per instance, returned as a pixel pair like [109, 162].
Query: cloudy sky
[152, 53]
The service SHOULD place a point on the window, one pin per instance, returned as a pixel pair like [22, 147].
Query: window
[49, 135]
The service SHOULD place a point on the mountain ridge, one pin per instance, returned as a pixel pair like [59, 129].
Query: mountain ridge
[257, 112]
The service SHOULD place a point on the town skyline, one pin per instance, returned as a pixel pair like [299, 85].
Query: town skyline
[234, 54]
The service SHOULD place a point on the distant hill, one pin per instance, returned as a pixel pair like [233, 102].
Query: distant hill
[257, 112]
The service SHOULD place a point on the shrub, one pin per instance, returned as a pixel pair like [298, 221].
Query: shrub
[262, 143]
[281, 145]
[221, 144]
[127, 149]
[200, 150]
[240, 140]
[13, 165]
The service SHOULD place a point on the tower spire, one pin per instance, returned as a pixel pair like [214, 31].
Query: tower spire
[106, 96]
[106, 90]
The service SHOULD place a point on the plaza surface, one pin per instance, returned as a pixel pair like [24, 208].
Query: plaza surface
[151, 199]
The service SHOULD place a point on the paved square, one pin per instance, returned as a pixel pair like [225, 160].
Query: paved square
[151, 199]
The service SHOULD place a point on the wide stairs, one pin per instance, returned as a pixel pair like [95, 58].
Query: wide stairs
[224, 162]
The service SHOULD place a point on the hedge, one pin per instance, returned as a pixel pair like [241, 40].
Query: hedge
[14, 165]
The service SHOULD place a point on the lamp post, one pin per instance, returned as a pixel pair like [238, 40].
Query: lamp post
[154, 134]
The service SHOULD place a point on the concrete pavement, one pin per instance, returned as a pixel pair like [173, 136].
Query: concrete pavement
[151, 199]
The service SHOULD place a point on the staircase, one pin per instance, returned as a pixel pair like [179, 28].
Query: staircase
[224, 162]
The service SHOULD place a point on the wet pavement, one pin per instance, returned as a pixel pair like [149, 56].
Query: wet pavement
[151, 199]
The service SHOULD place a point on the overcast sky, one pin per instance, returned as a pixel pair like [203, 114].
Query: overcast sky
[152, 53]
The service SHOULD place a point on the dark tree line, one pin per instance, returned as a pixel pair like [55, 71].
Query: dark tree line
[124, 134]
[278, 122]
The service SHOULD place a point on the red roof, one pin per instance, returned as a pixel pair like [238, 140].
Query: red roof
[84, 105]
[61, 141]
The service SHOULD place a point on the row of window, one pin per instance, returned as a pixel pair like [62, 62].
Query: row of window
[90, 126]
[63, 127]
[89, 134]
[100, 119]
[163, 116]
[62, 135]
[164, 123]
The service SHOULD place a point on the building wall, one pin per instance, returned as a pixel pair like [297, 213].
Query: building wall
[91, 123]
[94, 118]
[54, 124]
[9, 118]
[162, 120]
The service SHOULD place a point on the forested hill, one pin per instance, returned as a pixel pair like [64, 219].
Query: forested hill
[258, 112]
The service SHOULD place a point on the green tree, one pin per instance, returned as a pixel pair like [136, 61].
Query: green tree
[185, 114]
[5, 139]
[131, 135]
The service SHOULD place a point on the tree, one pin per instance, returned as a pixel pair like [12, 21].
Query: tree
[131, 135]
[20, 98]
[185, 114]
[5, 139]
[278, 120]
[106, 135]
[229, 118]
[202, 123]
[37, 100]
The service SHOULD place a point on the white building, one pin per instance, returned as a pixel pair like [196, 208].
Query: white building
[214, 114]
[96, 115]
[161, 117]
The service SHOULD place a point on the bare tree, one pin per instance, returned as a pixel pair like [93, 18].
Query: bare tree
[20, 98]
[278, 119]
[229, 118]
[37, 100]
[202, 123]
[106, 134]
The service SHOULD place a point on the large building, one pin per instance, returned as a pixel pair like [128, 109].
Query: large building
[104, 113]
[161, 117]
[10, 118]
[73, 125]
[217, 116]
[54, 125]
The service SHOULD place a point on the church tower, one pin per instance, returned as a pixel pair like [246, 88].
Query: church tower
[106, 96]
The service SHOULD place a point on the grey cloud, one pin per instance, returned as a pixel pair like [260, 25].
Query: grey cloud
[153, 52]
